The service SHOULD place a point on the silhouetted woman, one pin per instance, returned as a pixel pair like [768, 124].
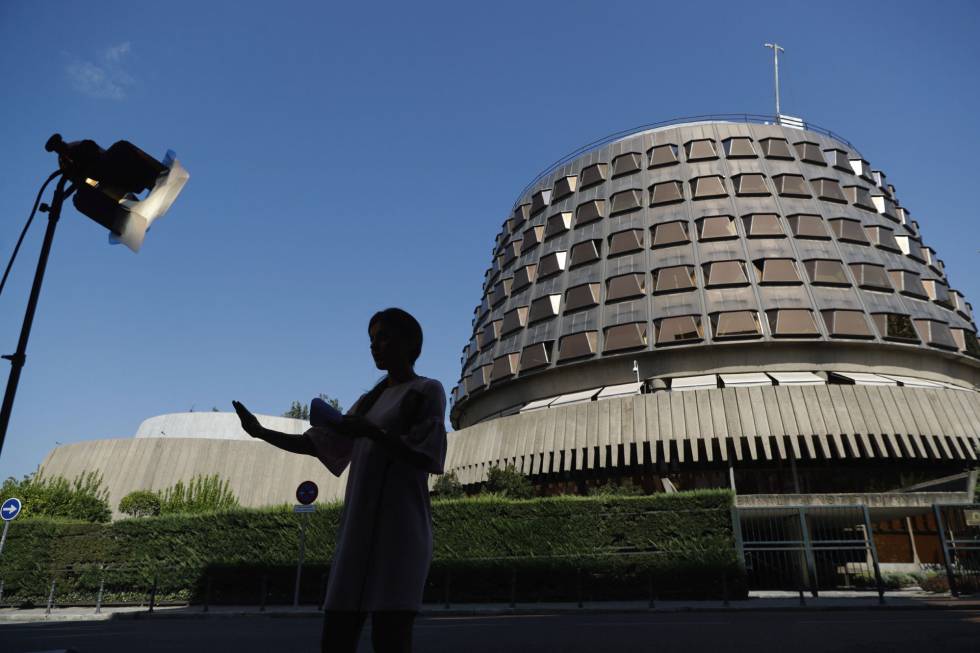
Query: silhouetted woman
[393, 437]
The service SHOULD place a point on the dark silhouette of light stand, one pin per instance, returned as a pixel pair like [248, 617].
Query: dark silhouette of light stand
[19, 357]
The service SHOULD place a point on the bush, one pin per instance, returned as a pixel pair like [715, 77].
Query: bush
[508, 482]
[448, 486]
[83, 499]
[891, 580]
[141, 503]
[616, 490]
[484, 546]
[202, 494]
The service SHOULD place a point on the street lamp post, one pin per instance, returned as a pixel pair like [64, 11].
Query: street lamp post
[776, 49]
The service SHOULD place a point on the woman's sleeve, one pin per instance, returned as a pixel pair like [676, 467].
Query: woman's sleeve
[426, 434]
[332, 448]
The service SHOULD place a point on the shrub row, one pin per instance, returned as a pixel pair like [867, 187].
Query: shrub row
[485, 548]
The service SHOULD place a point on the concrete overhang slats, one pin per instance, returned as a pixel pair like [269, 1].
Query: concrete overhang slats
[622, 390]
[863, 378]
[575, 398]
[912, 382]
[746, 380]
[702, 381]
[796, 378]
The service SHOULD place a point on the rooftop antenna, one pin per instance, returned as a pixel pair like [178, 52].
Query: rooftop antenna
[776, 49]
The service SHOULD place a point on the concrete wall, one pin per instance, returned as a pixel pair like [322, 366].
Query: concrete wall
[224, 426]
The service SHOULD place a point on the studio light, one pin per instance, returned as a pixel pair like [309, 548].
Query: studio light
[107, 185]
[109, 182]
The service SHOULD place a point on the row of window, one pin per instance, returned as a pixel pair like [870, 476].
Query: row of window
[733, 325]
[705, 149]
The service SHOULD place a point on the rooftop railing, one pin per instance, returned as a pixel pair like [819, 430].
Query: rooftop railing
[752, 118]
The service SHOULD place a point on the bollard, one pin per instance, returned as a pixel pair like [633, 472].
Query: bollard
[724, 590]
[207, 593]
[448, 579]
[263, 592]
[578, 583]
[98, 600]
[650, 588]
[153, 594]
[1, 592]
[50, 598]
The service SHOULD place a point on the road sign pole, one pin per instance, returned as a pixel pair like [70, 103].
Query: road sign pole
[3, 538]
[302, 551]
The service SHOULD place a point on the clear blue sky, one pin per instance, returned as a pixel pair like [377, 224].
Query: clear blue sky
[345, 157]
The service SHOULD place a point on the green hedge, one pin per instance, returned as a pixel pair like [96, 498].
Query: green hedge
[486, 548]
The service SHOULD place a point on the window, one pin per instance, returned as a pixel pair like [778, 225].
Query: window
[662, 155]
[577, 345]
[594, 174]
[846, 324]
[838, 159]
[829, 190]
[504, 367]
[626, 164]
[536, 355]
[540, 200]
[871, 277]
[716, 227]
[966, 342]
[792, 323]
[700, 150]
[777, 271]
[491, 332]
[808, 226]
[532, 238]
[586, 252]
[824, 272]
[552, 264]
[625, 336]
[627, 200]
[736, 324]
[478, 379]
[938, 292]
[810, 152]
[775, 148]
[524, 276]
[678, 330]
[564, 187]
[583, 296]
[501, 291]
[936, 334]
[860, 197]
[750, 184]
[666, 192]
[521, 213]
[908, 283]
[895, 326]
[739, 147]
[791, 186]
[762, 225]
[910, 246]
[724, 273]
[625, 286]
[624, 242]
[670, 233]
[558, 223]
[543, 308]
[882, 237]
[849, 231]
[590, 211]
[708, 187]
[673, 279]
[514, 319]
[510, 252]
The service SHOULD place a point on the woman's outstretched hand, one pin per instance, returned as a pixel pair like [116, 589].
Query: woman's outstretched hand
[249, 422]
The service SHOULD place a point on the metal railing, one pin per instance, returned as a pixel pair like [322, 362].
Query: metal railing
[750, 118]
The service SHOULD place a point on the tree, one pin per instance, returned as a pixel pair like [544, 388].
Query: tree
[509, 482]
[83, 498]
[448, 486]
[300, 410]
[140, 503]
[613, 489]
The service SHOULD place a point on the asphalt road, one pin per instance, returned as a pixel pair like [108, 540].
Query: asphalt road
[866, 631]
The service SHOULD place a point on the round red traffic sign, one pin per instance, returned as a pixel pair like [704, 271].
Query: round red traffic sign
[307, 492]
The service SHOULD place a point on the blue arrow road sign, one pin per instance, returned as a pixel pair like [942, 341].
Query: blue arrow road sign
[10, 508]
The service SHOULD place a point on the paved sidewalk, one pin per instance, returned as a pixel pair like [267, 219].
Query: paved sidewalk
[758, 601]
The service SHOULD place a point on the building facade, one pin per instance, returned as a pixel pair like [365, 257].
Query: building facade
[718, 303]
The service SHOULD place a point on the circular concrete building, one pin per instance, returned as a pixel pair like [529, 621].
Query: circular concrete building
[727, 302]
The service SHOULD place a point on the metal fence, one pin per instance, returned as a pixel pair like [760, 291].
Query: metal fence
[809, 549]
[959, 536]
